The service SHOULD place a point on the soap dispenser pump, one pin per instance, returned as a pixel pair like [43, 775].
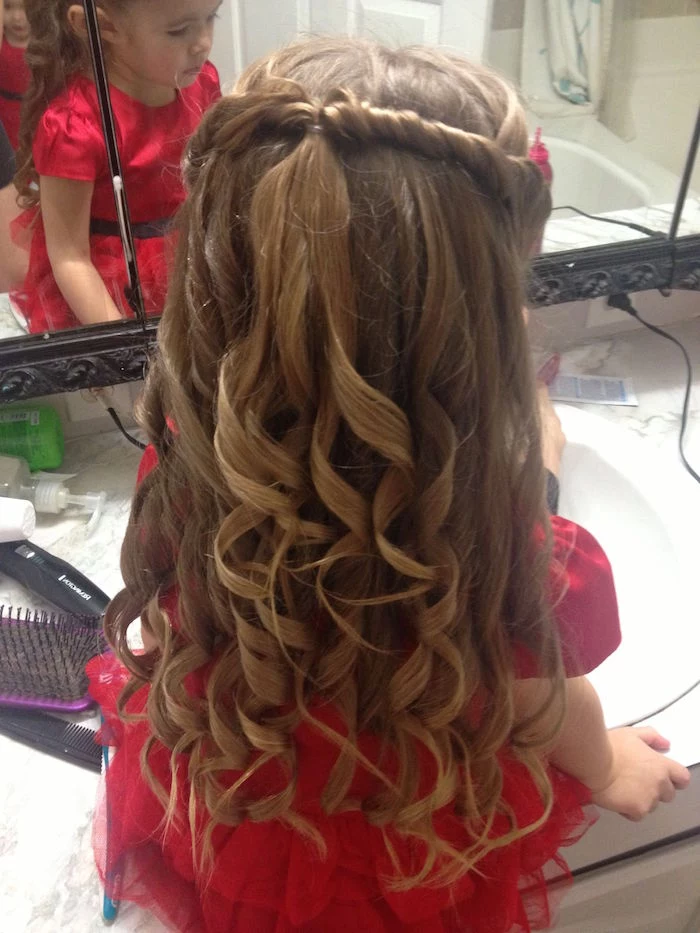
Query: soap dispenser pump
[48, 492]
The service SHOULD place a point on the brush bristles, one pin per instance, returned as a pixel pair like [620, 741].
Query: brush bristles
[43, 656]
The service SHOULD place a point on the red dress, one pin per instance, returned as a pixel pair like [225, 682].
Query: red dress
[268, 879]
[69, 143]
[14, 81]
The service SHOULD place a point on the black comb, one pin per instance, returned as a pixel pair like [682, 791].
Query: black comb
[66, 740]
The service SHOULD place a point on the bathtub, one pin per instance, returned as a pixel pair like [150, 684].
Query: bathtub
[591, 181]
[596, 171]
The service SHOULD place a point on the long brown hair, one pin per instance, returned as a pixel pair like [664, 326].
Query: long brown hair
[55, 53]
[352, 502]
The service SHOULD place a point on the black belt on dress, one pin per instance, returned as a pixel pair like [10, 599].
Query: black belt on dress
[149, 230]
[11, 95]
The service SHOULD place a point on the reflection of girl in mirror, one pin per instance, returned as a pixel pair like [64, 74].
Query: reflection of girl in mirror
[161, 83]
[14, 74]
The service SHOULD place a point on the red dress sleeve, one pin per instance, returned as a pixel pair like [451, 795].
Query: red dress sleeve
[585, 605]
[69, 144]
[14, 81]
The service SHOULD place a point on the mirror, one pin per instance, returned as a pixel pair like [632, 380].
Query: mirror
[686, 220]
[617, 147]
[66, 261]
[614, 88]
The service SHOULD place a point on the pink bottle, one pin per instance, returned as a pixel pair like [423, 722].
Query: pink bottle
[540, 156]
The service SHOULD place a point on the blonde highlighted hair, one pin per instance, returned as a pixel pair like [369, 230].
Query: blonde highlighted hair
[352, 502]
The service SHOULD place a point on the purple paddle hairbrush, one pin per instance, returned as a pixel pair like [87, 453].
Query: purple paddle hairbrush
[43, 658]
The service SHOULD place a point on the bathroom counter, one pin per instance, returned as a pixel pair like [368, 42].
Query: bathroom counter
[49, 883]
[577, 232]
[103, 462]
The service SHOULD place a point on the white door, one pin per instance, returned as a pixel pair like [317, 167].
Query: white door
[248, 29]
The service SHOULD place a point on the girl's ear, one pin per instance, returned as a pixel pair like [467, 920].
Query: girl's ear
[108, 28]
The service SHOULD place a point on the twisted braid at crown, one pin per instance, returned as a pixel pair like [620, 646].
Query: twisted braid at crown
[345, 118]
[281, 109]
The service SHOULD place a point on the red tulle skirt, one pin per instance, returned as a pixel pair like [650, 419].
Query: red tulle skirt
[267, 878]
[40, 300]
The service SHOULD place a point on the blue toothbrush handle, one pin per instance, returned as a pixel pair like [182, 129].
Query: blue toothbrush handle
[110, 907]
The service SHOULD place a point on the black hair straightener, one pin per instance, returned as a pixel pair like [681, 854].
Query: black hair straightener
[51, 578]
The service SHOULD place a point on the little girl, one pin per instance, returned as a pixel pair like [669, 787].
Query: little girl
[161, 84]
[14, 73]
[353, 712]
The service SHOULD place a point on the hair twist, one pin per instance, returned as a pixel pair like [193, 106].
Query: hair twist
[282, 109]
[347, 118]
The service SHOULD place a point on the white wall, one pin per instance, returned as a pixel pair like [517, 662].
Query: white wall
[559, 327]
[503, 52]
[248, 29]
[664, 89]
[657, 76]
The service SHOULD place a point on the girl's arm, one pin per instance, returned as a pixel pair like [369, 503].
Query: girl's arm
[14, 260]
[622, 767]
[65, 208]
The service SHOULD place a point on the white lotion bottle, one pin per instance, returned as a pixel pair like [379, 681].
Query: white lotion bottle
[17, 520]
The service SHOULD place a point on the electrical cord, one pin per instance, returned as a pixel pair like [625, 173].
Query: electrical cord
[662, 709]
[117, 420]
[622, 303]
[647, 231]
[101, 396]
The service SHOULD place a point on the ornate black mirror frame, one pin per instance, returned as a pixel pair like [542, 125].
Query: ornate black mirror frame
[108, 354]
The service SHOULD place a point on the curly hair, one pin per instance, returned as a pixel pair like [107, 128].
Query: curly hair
[351, 504]
[54, 54]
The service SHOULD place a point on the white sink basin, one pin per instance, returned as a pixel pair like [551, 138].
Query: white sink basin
[646, 515]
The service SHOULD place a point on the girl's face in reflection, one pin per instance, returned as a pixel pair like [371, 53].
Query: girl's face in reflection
[165, 43]
[15, 23]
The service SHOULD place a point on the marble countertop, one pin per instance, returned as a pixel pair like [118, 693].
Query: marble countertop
[9, 325]
[102, 462]
[576, 232]
[49, 881]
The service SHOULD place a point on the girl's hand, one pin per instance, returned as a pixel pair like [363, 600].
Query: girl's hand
[640, 777]
[553, 438]
[14, 259]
